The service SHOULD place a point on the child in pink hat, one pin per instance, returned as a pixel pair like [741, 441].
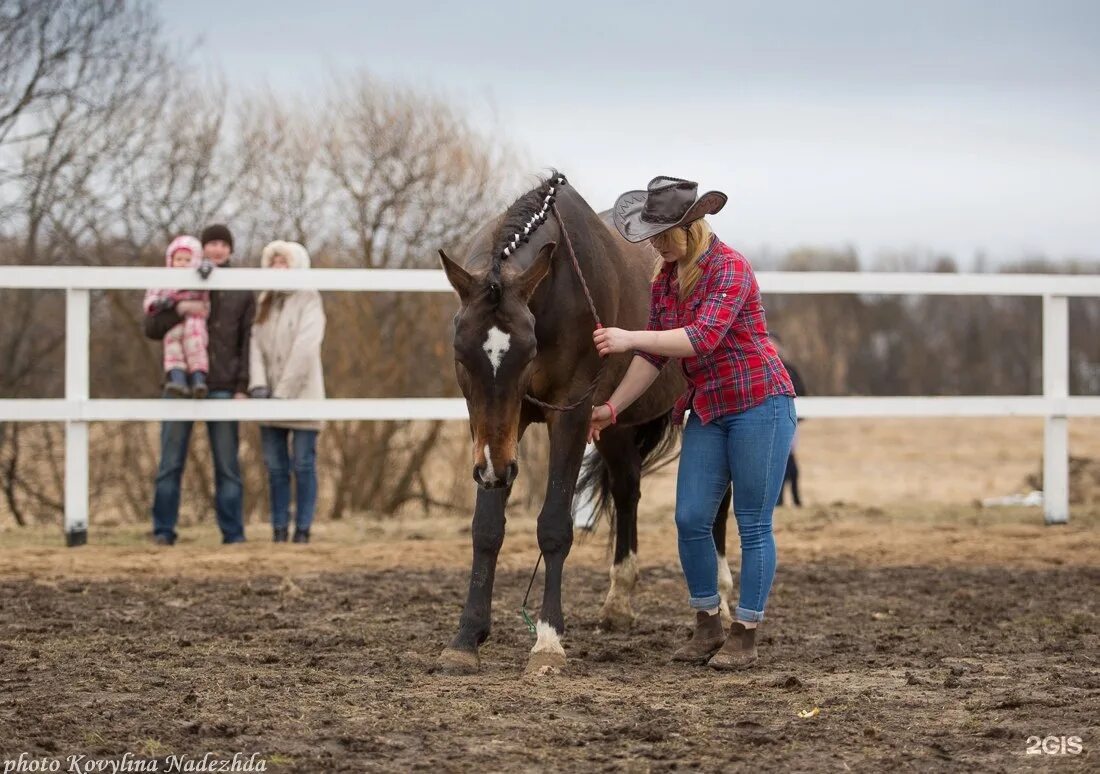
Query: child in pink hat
[186, 362]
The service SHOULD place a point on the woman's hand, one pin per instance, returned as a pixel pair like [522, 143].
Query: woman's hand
[611, 340]
[601, 418]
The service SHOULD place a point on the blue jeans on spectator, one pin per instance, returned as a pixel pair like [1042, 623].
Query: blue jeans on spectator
[286, 450]
[750, 449]
[175, 438]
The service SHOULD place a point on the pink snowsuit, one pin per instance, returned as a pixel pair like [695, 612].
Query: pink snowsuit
[185, 345]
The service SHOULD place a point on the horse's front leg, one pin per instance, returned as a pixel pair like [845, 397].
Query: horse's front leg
[460, 657]
[555, 532]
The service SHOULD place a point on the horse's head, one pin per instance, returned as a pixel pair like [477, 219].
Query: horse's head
[495, 348]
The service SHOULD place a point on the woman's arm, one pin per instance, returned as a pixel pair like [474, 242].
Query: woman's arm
[727, 292]
[304, 350]
[257, 370]
[639, 375]
[673, 343]
[664, 344]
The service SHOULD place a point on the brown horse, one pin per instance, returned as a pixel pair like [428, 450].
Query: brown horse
[523, 346]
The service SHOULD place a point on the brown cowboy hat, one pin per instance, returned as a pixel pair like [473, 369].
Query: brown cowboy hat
[666, 203]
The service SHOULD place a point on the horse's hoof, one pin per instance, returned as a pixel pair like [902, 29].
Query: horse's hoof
[545, 663]
[458, 662]
[615, 620]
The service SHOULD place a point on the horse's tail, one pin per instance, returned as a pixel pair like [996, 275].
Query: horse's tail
[657, 442]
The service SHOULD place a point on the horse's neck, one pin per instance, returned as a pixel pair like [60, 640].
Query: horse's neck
[560, 302]
[585, 229]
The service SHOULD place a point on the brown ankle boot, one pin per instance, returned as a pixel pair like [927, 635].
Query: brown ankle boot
[707, 638]
[739, 652]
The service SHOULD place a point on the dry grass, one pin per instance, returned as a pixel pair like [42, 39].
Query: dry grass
[880, 493]
[890, 461]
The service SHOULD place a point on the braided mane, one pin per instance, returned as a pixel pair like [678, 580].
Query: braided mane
[524, 217]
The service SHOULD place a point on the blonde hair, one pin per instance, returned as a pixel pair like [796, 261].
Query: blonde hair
[690, 243]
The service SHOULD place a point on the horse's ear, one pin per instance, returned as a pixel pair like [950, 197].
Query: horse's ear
[460, 279]
[529, 280]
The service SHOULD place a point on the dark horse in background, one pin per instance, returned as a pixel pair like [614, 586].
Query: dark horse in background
[524, 330]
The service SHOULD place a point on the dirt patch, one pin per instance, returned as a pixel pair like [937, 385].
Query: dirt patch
[911, 667]
[928, 634]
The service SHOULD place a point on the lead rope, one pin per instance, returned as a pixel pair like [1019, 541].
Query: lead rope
[552, 407]
[595, 316]
[523, 610]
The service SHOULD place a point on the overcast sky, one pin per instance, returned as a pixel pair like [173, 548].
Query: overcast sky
[888, 125]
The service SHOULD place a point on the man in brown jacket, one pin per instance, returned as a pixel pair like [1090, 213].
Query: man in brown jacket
[229, 322]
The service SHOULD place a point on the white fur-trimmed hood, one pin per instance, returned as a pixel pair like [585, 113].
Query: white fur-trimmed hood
[297, 256]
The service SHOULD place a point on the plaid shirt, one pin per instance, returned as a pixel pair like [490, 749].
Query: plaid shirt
[736, 366]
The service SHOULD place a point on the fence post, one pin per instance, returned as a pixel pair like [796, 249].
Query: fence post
[1056, 431]
[77, 324]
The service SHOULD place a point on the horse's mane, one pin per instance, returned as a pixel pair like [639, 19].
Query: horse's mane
[523, 218]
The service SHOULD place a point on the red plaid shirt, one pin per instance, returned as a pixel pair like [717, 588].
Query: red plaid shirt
[735, 366]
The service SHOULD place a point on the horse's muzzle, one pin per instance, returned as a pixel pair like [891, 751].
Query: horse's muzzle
[487, 481]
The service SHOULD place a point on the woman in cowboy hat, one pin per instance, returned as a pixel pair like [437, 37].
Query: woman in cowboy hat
[705, 309]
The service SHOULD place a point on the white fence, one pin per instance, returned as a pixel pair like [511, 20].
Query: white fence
[76, 410]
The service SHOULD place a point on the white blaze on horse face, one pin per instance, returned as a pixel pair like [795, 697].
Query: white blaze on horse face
[495, 346]
[490, 474]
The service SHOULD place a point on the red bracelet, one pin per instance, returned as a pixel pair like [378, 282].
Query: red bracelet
[614, 413]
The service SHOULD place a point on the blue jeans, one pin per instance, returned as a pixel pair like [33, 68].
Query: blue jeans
[750, 449]
[284, 448]
[175, 437]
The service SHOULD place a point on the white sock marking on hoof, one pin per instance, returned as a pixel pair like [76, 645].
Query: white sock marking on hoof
[624, 575]
[495, 346]
[547, 639]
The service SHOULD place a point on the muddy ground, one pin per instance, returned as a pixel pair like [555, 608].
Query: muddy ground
[930, 634]
[913, 666]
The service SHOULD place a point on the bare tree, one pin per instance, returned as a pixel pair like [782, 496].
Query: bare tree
[72, 72]
[409, 175]
[288, 190]
[109, 146]
[106, 57]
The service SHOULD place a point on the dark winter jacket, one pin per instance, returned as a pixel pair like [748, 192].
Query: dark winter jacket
[229, 326]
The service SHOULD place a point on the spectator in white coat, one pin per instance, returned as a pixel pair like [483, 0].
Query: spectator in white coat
[286, 363]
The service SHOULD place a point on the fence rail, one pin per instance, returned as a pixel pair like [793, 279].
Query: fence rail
[76, 410]
[372, 409]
